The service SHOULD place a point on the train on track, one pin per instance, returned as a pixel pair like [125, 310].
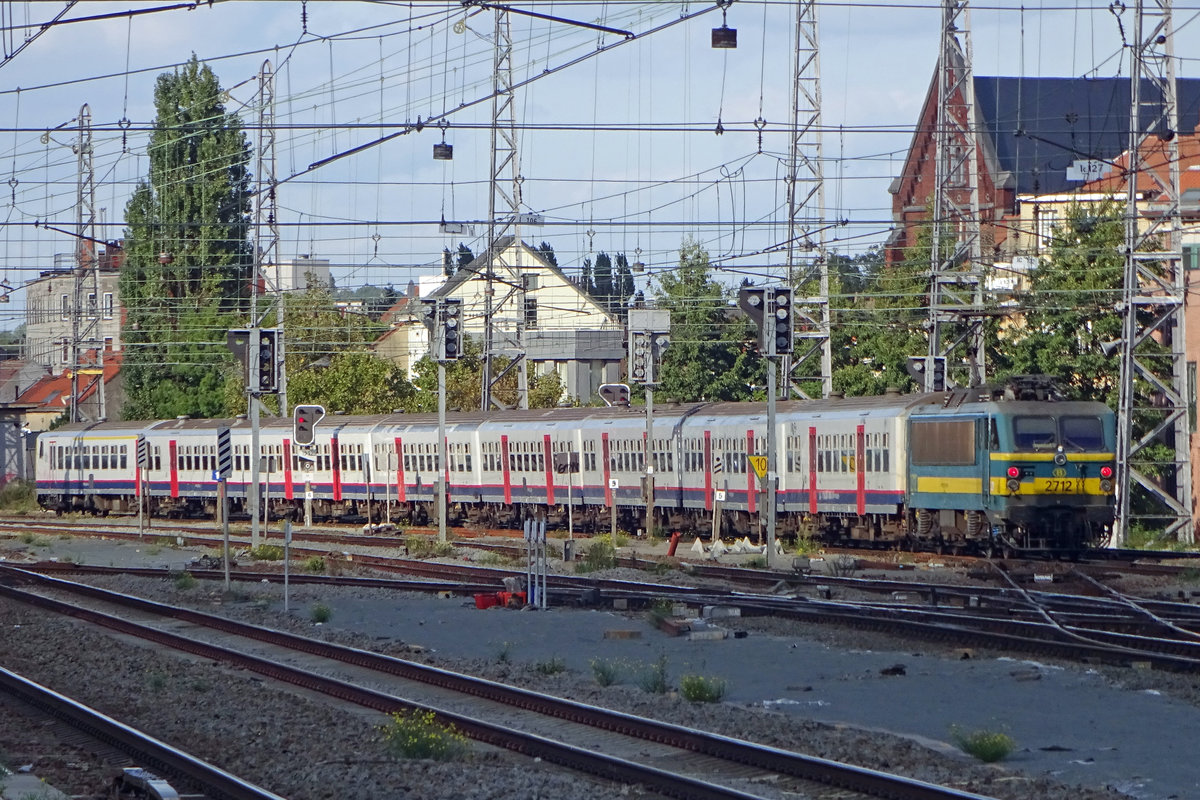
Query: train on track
[1004, 468]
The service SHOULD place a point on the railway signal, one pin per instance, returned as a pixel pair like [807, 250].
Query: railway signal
[267, 368]
[615, 394]
[773, 313]
[304, 424]
[443, 317]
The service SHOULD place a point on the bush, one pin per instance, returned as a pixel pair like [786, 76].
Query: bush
[19, 497]
[606, 672]
[315, 564]
[600, 555]
[184, 581]
[418, 734]
[654, 680]
[551, 667]
[267, 552]
[490, 559]
[987, 746]
[427, 547]
[321, 613]
[699, 689]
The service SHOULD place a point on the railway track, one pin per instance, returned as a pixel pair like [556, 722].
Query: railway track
[141, 748]
[604, 743]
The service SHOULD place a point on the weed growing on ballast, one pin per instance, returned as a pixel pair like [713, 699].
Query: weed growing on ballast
[418, 734]
[987, 746]
[699, 689]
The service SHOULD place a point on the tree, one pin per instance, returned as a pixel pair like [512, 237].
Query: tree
[603, 280]
[546, 251]
[709, 357]
[1069, 307]
[623, 284]
[879, 325]
[193, 209]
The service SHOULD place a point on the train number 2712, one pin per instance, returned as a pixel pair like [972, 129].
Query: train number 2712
[1064, 485]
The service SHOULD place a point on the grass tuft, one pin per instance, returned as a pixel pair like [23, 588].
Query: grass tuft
[654, 679]
[606, 671]
[321, 613]
[184, 581]
[699, 689]
[418, 734]
[19, 497]
[987, 746]
[316, 564]
[552, 667]
[600, 555]
[267, 552]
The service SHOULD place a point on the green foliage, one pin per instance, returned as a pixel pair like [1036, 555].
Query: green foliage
[156, 680]
[878, 314]
[606, 671]
[709, 357]
[418, 734]
[320, 613]
[19, 497]
[1069, 307]
[660, 608]
[184, 581]
[195, 206]
[552, 667]
[755, 562]
[266, 552]
[987, 746]
[464, 383]
[427, 547]
[504, 653]
[599, 556]
[315, 564]
[654, 678]
[490, 559]
[699, 689]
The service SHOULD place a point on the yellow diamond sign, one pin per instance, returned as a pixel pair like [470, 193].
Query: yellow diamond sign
[760, 465]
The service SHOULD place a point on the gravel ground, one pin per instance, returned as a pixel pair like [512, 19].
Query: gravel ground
[302, 747]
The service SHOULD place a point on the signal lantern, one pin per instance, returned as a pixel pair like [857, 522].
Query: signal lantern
[304, 424]
[452, 328]
[781, 330]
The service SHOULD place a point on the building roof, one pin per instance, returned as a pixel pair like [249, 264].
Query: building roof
[53, 392]
[477, 269]
[1039, 126]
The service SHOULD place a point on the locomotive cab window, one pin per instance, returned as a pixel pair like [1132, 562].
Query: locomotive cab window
[1082, 433]
[1034, 433]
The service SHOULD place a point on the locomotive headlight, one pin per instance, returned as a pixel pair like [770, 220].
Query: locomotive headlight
[1013, 485]
[1106, 471]
[1105, 486]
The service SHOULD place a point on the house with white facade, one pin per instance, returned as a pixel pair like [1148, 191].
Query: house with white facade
[535, 309]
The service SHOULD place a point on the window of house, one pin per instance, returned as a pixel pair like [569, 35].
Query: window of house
[531, 312]
[66, 306]
[108, 305]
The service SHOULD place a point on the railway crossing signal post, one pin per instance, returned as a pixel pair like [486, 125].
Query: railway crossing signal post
[772, 311]
[443, 317]
[260, 351]
[649, 336]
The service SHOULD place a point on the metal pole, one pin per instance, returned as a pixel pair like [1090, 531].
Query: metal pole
[570, 501]
[223, 487]
[442, 458]
[255, 462]
[614, 521]
[649, 460]
[771, 472]
[308, 502]
[141, 498]
[287, 557]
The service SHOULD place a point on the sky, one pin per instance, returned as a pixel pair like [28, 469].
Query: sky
[617, 139]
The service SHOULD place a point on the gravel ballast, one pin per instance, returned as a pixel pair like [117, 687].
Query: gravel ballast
[808, 689]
